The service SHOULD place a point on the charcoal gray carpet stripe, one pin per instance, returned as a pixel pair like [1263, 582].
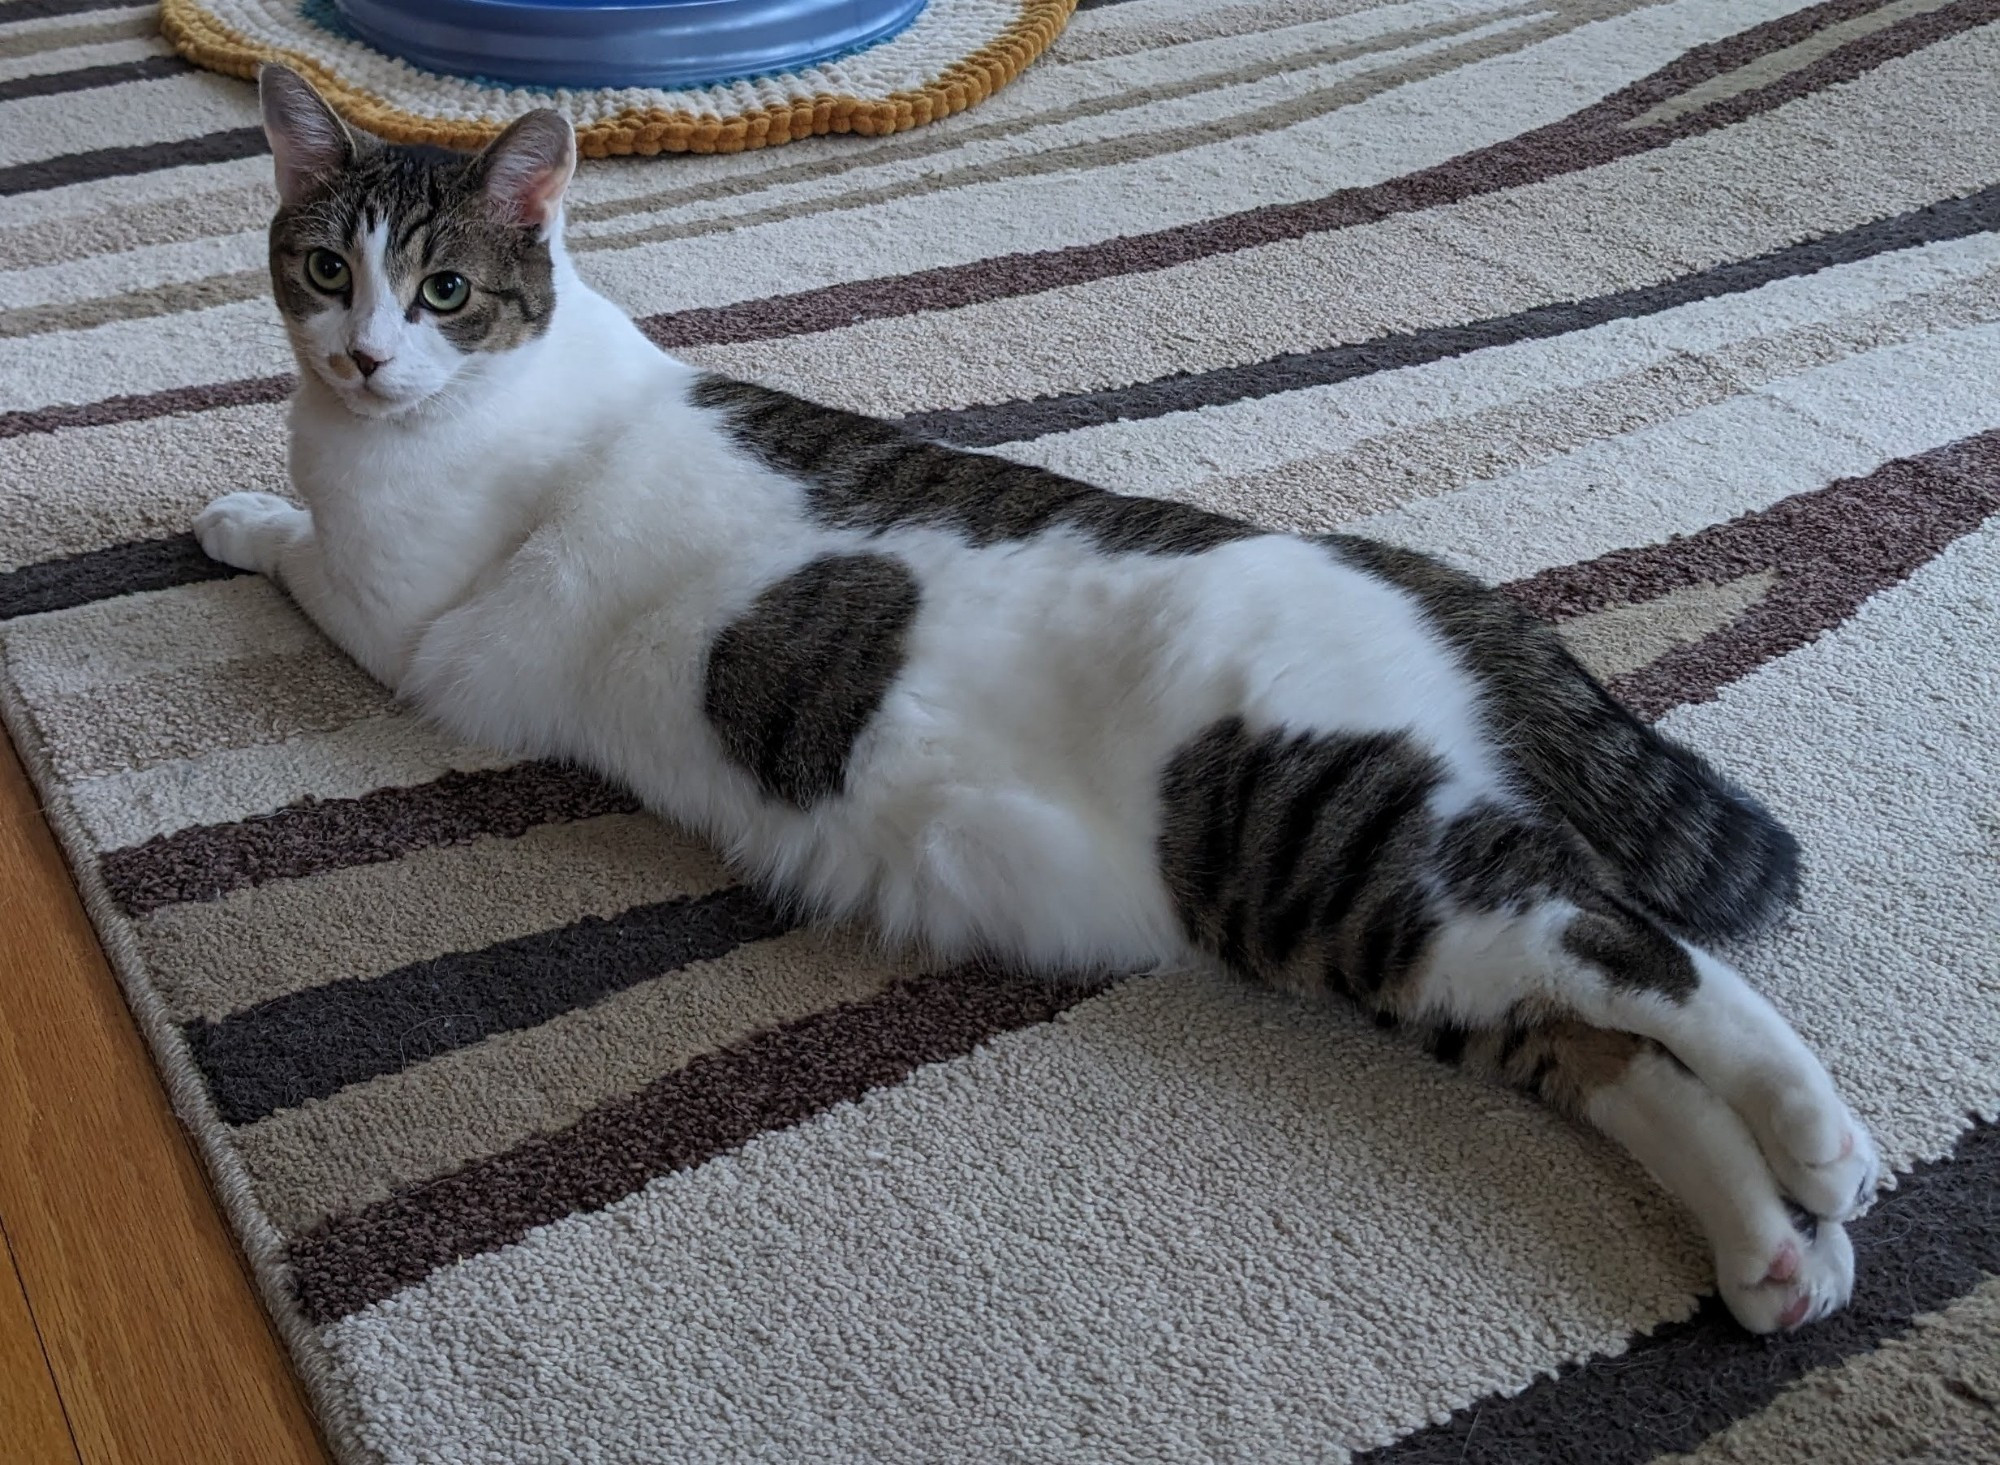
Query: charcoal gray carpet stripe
[715, 1104]
[1004, 422]
[120, 162]
[1927, 1243]
[101, 574]
[1595, 135]
[312, 1043]
[316, 835]
[139, 407]
[86, 78]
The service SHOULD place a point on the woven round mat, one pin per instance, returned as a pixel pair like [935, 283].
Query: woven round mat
[956, 54]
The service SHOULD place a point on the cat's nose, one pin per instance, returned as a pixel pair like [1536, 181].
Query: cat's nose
[368, 364]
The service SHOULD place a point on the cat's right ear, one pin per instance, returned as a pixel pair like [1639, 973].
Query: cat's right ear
[309, 142]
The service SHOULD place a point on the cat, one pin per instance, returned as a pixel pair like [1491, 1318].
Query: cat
[998, 712]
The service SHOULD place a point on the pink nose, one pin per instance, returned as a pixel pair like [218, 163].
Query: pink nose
[368, 364]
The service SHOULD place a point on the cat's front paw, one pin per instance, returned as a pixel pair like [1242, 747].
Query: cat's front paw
[248, 530]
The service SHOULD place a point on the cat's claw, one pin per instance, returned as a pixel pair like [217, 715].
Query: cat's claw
[248, 530]
[1798, 1281]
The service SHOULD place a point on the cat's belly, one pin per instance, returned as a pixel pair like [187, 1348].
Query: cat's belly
[967, 746]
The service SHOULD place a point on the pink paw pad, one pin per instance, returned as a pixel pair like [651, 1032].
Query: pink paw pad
[1784, 1266]
[1792, 1316]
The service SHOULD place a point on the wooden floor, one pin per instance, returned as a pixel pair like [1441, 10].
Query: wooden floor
[128, 1328]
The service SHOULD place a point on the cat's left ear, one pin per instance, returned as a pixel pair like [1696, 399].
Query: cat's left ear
[527, 168]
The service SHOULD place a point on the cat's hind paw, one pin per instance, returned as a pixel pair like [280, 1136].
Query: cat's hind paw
[248, 530]
[1801, 1279]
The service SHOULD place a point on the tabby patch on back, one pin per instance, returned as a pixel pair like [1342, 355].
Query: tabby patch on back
[998, 712]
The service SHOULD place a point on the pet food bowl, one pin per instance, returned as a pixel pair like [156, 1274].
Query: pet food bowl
[647, 43]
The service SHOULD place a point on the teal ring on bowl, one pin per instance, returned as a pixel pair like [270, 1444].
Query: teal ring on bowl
[585, 44]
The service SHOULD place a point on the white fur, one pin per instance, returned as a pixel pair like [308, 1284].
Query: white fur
[538, 547]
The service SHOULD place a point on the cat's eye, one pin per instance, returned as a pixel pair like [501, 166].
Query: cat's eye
[327, 271]
[445, 291]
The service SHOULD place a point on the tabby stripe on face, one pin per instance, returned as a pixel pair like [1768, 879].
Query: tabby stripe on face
[1881, 529]
[119, 162]
[774, 1080]
[315, 1042]
[1931, 1240]
[87, 78]
[1005, 422]
[312, 837]
[1586, 139]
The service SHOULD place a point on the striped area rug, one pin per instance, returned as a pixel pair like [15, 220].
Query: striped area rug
[549, 1142]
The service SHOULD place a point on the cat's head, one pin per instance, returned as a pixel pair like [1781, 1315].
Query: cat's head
[400, 270]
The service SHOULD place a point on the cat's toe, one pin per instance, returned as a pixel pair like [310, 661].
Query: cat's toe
[1823, 1157]
[1800, 1279]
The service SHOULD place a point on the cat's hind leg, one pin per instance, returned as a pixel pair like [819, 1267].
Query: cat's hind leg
[1580, 951]
[1776, 1266]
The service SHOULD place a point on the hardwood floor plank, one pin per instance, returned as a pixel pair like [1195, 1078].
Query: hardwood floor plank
[32, 1427]
[158, 1346]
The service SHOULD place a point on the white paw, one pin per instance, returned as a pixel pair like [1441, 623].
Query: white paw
[248, 530]
[1824, 1159]
[1800, 1279]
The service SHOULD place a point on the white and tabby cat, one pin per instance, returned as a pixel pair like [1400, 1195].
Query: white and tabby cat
[993, 710]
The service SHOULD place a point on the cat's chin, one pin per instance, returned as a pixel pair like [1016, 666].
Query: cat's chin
[364, 399]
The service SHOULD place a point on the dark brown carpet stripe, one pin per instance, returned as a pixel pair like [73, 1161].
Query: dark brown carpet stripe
[317, 835]
[1005, 422]
[15, 10]
[119, 162]
[100, 574]
[718, 1102]
[1585, 139]
[248, 392]
[86, 78]
[313, 1043]
[1926, 1244]
[1831, 549]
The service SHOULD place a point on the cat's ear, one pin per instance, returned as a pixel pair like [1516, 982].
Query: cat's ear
[527, 167]
[310, 143]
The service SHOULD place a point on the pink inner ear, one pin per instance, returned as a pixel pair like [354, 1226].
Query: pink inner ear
[529, 170]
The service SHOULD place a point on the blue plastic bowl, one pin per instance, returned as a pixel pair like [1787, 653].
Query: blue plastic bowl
[650, 43]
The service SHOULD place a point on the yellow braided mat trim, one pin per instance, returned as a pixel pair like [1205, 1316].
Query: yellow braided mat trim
[207, 42]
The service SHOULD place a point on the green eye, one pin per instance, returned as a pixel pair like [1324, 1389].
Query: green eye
[327, 271]
[446, 291]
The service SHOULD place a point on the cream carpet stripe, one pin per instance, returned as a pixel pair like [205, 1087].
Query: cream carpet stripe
[61, 32]
[1747, 453]
[212, 958]
[395, 750]
[67, 492]
[164, 110]
[365, 1142]
[75, 58]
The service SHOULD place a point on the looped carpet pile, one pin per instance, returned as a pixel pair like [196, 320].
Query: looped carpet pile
[550, 1142]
